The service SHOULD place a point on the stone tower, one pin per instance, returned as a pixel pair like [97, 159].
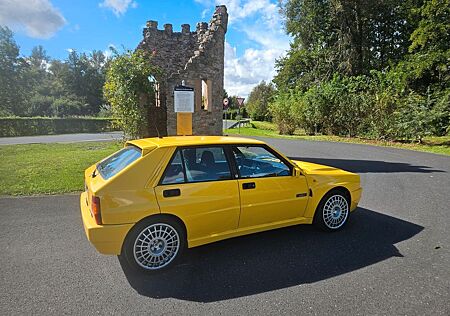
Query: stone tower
[197, 58]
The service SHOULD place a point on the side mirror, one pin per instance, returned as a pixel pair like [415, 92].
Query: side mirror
[298, 172]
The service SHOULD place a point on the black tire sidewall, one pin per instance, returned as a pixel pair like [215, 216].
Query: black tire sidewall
[128, 246]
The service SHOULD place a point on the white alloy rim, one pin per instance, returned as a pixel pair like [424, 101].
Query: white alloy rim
[335, 211]
[156, 246]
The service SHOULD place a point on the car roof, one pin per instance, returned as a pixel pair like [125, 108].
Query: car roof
[171, 141]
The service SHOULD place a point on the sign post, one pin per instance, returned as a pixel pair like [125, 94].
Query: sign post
[226, 103]
[240, 102]
[183, 98]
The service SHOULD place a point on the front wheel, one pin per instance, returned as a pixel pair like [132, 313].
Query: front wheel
[333, 211]
[154, 244]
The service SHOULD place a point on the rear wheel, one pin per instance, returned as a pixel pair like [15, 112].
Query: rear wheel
[154, 244]
[333, 211]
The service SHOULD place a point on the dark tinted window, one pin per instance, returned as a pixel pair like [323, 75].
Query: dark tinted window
[256, 161]
[117, 162]
[199, 164]
[206, 164]
[174, 172]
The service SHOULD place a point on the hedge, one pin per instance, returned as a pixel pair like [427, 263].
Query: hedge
[29, 126]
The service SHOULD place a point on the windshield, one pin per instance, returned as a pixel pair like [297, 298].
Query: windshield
[117, 162]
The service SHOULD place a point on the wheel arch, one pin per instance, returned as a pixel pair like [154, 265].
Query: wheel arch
[312, 207]
[317, 220]
[344, 190]
[158, 215]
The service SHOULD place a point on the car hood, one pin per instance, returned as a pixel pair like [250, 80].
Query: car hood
[313, 168]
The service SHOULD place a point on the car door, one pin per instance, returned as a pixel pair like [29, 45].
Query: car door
[269, 190]
[198, 187]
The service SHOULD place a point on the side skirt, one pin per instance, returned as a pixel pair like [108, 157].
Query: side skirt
[246, 231]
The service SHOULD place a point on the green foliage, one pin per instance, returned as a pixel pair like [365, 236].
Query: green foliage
[129, 91]
[342, 37]
[36, 85]
[433, 31]
[376, 69]
[283, 113]
[258, 101]
[29, 126]
[12, 67]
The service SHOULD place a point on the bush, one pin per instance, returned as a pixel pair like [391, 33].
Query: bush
[29, 126]
[379, 105]
[130, 93]
[259, 100]
[282, 113]
[232, 114]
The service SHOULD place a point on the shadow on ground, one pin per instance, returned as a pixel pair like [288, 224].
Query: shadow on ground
[369, 166]
[276, 259]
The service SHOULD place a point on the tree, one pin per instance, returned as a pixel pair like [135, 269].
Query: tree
[84, 77]
[129, 91]
[11, 75]
[258, 101]
[39, 99]
[345, 37]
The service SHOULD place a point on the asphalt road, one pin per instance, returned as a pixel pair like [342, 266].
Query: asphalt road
[73, 138]
[62, 138]
[392, 259]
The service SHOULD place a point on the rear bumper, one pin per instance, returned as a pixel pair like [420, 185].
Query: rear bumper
[356, 196]
[107, 239]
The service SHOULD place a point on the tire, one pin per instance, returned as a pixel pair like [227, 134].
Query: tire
[154, 244]
[333, 211]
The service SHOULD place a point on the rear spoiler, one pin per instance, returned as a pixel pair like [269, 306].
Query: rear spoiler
[144, 145]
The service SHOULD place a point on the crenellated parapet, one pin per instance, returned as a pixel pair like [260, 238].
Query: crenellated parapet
[196, 57]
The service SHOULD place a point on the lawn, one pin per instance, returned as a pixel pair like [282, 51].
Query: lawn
[437, 145]
[59, 168]
[48, 168]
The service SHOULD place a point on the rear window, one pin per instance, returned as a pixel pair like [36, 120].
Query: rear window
[117, 162]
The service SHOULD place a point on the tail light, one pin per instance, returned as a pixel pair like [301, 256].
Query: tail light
[95, 210]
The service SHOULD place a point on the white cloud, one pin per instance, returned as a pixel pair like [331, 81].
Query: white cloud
[242, 73]
[261, 22]
[204, 13]
[239, 10]
[119, 7]
[38, 18]
[109, 51]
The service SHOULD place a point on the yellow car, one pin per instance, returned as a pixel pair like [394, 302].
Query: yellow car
[157, 196]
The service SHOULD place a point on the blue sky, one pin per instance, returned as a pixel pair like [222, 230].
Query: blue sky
[255, 36]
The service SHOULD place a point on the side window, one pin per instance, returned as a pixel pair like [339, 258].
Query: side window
[174, 171]
[206, 164]
[199, 164]
[256, 162]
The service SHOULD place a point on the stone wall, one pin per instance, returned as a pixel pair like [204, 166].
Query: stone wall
[192, 57]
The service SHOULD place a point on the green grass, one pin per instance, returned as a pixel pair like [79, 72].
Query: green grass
[437, 145]
[48, 168]
[59, 168]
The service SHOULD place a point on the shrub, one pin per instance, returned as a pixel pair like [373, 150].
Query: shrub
[283, 116]
[259, 100]
[130, 93]
[29, 126]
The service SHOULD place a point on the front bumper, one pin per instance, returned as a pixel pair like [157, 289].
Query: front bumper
[107, 239]
[356, 196]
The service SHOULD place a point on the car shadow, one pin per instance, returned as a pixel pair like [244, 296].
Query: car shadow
[276, 259]
[369, 166]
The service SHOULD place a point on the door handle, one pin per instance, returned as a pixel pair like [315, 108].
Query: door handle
[171, 192]
[248, 185]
